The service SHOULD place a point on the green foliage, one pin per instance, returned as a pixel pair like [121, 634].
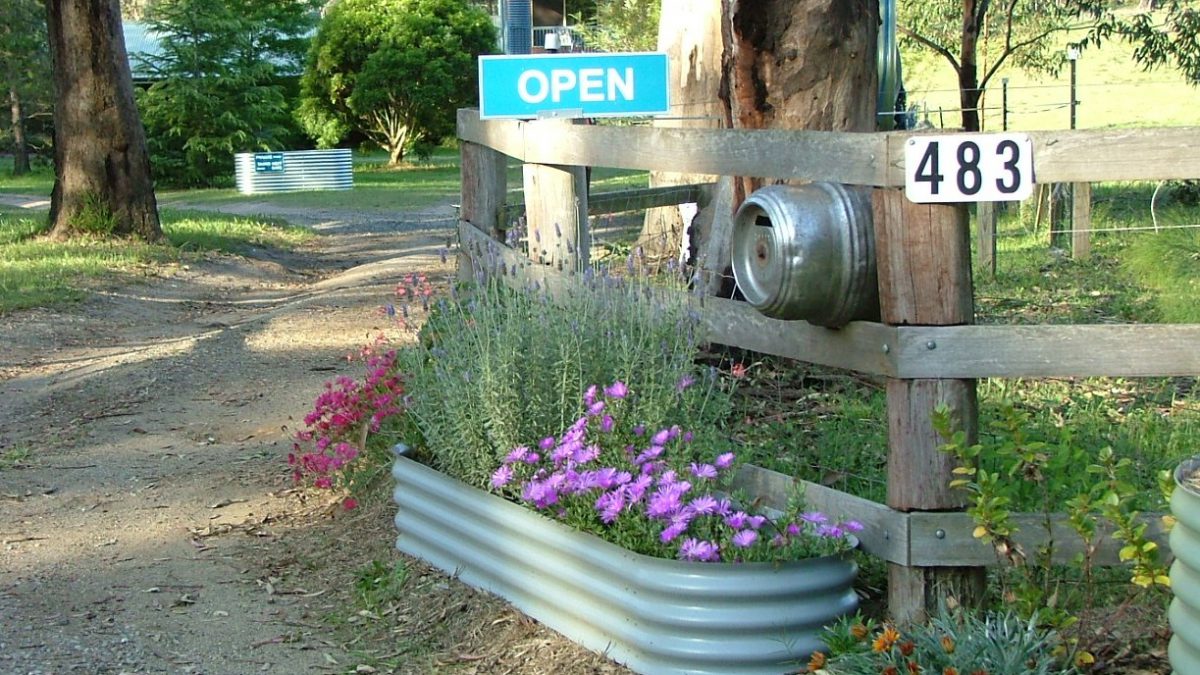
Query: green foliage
[997, 473]
[621, 25]
[94, 216]
[394, 71]
[1163, 38]
[997, 643]
[497, 367]
[1167, 263]
[218, 83]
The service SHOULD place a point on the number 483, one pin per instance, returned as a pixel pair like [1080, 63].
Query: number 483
[992, 167]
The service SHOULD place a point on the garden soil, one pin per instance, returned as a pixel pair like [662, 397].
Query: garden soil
[148, 521]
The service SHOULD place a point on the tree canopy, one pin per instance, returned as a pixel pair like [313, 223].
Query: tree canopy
[218, 82]
[393, 71]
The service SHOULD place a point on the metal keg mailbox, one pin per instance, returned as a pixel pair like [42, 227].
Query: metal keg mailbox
[807, 252]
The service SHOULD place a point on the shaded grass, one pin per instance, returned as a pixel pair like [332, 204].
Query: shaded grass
[36, 271]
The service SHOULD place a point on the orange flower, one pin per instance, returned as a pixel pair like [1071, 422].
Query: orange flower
[907, 647]
[859, 631]
[817, 662]
[890, 670]
[885, 640]
[913, 668]
[948, 645]
[949, 670]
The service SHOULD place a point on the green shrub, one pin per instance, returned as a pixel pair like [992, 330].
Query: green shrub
[497, 367]
[996, 643]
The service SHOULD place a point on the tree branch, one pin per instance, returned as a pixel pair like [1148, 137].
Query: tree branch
[932, 45]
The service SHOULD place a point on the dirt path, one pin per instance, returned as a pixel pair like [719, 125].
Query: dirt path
[147, 524]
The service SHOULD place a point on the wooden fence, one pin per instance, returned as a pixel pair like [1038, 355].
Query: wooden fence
[924, 345]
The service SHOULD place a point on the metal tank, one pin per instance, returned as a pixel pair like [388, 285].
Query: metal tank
[807, 252]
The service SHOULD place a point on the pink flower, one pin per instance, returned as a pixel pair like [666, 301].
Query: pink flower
[350, 503]
[616, 390]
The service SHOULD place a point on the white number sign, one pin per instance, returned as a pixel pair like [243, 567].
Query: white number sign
[968, 168]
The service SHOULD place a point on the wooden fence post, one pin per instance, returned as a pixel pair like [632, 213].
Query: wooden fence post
[484, 184]
[924, 260]
[1081, 221]
[985, 214]
[556, 212]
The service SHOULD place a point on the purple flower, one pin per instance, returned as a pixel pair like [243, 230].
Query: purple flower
[651, 453]
[610, 505]
[540, 493]
[755, 522]
[637, 489]
[745, 538]
[546, 443]
[704, 470]
[813, 517]
[699, 550]
[703, 505]
[607, 423]
[502, 476]
[672, 531]
[737, 520]
[595, 408]
[793, 530]
[830, 531]
[664, 503]
[661, 437]
[589, 396]
[639, 430]
[684, 382]
[584, 455]
[616, 390]
[516, 455]
[724, 460]
[853, 525]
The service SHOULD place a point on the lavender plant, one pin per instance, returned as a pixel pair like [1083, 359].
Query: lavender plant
[649, 490]
[497, 365]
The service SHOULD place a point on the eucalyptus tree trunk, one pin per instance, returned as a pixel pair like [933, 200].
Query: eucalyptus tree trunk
[783, 64]
[690, 34]
[102, 179]
[800, 64]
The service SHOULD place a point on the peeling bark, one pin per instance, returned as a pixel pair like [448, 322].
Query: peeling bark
[801, 64]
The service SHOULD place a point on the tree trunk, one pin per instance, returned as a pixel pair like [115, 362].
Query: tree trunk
[801, 64]
[690, 34]
[102, 169]
[20, 145]
[968, 70]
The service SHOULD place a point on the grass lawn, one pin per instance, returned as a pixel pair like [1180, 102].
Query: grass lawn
[37, 272]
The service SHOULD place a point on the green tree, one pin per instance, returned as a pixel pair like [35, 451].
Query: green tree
[393, 71]
[1015, 32]
[1020, 31]
[621, 25]
[219, 82]
[24, 69]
